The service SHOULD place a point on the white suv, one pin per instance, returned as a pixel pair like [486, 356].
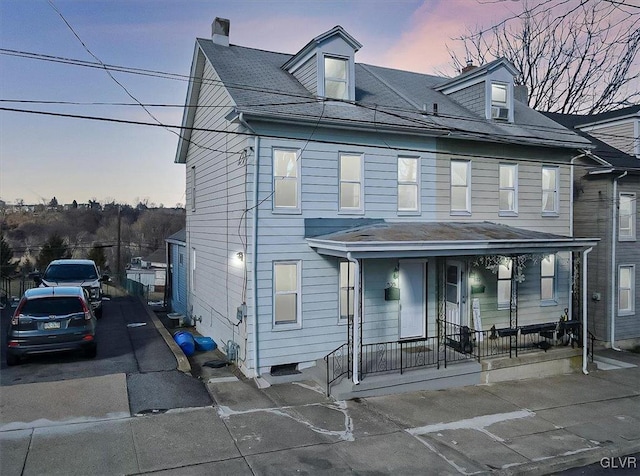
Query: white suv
[76, 272]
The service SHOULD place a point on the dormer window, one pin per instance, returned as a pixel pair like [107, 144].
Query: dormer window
[499, 101]
[335, 78]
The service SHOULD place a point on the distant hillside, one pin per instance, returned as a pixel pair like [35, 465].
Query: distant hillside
[142, 230]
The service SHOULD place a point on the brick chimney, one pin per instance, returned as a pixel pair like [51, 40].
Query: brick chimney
[470, 66]
[220, 31]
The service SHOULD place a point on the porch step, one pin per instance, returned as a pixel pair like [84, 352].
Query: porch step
[458, 374]
[559, 361]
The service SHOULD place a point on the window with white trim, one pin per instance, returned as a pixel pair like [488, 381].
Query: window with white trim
[347, 290]
[548, 279]
[351, 171]
[408, 188]
[286, 180]
[626, 217]
[508, 190]
[549, 190]
[336, 75]
[504, 283]
[286, 293]
[499, 101]
[626, 289]
[460, 187]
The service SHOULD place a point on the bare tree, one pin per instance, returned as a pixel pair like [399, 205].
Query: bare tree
[574, 56]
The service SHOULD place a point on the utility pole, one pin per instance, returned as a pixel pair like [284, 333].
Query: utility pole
[118, 246]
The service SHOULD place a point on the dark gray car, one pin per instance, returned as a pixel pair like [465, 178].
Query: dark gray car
[52, 320]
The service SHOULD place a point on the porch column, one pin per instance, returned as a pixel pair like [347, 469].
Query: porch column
[356, 319]
[584, 310]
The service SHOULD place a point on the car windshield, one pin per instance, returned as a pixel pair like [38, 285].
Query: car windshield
[70, 272]
[52, 306]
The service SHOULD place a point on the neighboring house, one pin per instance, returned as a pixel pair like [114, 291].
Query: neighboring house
[379, 219]
[176, 289]
[151, 271]
[605, 206]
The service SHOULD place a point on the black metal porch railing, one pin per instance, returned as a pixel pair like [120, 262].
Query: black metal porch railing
[460, 343]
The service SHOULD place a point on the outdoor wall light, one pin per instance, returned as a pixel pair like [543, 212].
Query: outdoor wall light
[240, 255]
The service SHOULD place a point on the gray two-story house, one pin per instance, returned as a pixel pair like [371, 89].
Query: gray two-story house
[381, 220]
[605, 206]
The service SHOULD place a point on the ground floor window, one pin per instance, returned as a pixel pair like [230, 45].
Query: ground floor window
[548, 279]
[286, 293]
[504, 283]
[347, 289]
[626, 287]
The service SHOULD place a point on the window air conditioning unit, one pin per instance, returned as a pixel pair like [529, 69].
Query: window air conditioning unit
[501, 113]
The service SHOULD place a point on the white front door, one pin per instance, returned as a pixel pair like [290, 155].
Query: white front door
[412, 299]
[455, 295]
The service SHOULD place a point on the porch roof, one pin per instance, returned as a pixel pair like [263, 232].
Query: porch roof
[423, 239]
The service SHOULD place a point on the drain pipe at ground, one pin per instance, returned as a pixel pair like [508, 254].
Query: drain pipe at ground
[356, 318]
[254, 252]
[584, 310]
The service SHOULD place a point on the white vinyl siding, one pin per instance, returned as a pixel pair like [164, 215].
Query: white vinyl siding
[626, 217]
[286, 294]
[408, 184]
[193, 270]
[508, 190]
[460, 192]
[550, 191]
[626, 290]
[193, 188]
[504, 284]
[286, 181]
[548, 284]
[351, 187]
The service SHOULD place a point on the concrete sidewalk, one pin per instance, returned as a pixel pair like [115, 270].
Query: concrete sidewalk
[525, 427]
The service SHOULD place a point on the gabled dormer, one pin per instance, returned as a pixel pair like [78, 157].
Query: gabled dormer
[486, 90]
[326, 65]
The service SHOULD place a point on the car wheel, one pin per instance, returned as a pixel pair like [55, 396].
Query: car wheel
[12, 360]
[91, 352]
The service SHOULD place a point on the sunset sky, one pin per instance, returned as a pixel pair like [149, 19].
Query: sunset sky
[69, 158]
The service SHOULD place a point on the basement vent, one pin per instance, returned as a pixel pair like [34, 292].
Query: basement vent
[286, 369]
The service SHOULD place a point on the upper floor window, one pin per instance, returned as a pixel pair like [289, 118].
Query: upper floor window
[508, 189]
[499, 101]
[548, 279]
[408, 187]
[549, 190]
[351, 171]
[626, 287]
[626, 217]
[336, 78]
[347, 290]
[504, 284]
[460, 187]
[286, 180]
[286, 293]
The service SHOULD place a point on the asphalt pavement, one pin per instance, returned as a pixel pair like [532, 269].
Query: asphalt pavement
[89, 426]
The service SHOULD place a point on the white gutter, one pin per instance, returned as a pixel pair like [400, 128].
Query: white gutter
[584, 310]
[614, 237]
[356, 318]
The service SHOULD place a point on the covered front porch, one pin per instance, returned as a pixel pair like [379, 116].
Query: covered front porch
[456, 296]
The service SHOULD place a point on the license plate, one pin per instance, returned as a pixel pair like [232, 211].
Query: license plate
[51, 325]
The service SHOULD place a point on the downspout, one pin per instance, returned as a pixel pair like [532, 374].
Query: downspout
[571, 198]
[356, 318]
[584, 310]
[254, 243]
[614, 237]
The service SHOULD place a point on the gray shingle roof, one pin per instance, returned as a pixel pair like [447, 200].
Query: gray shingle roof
[385, 99]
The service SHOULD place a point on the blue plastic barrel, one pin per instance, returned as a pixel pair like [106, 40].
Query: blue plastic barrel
[204, 344]
[185, 340]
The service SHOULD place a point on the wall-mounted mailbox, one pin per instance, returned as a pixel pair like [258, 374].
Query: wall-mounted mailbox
[392, 294]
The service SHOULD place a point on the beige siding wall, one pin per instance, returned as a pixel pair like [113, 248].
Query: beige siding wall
[620, 136]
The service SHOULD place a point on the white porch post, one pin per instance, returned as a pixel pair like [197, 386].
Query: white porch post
[584, 310]
[356, 318]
